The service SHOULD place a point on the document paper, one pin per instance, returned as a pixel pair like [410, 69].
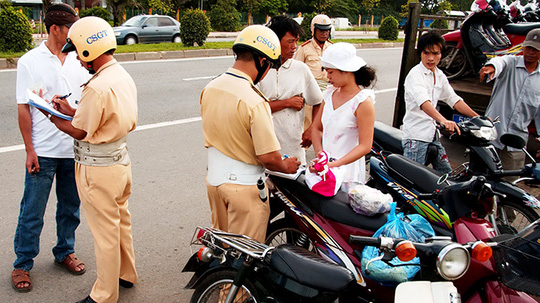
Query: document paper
[38, 102]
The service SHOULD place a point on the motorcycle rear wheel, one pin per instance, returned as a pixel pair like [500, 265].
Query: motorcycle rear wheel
[214, 289]
[513, 217]
[282, 232]
[454, 62]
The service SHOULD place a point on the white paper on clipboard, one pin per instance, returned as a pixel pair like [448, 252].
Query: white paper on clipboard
[38, 102]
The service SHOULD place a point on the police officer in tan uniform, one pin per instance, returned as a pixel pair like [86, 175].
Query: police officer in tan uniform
[239, 135]
[107, 112]
[310, 52]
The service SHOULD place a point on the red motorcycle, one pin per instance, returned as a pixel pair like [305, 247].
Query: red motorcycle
[485, 33]
[324, 226]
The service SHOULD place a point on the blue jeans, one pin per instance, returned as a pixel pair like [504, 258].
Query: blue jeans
[36, 194]
[417, 150]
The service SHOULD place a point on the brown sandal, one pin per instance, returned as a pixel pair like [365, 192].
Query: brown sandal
[19, 276]
[71, 263]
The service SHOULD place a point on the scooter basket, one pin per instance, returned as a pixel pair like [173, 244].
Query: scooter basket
[517, 262]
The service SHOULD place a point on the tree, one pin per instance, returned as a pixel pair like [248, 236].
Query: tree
[195, 27]
[272, 7]
[15, 30]
[97, 11]
[249, 5]
[461, 5]
[165, 6]
[118, 8]
[224, 16]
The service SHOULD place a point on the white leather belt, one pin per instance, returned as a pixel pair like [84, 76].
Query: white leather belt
[224, 169]
[105, 154]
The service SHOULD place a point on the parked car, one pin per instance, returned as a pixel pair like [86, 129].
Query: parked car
[148, 29]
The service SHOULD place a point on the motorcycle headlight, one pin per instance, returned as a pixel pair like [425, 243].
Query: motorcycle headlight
[485, 133]
[453, 261]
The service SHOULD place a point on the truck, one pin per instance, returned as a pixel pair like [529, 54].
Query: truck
[341, 23]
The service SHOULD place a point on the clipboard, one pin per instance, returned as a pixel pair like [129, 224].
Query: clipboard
[301, 170]
[37, 101]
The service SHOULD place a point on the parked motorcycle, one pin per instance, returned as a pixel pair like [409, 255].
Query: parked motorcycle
[516, 208]
[235, 268]
[485, 33]
[324, 225]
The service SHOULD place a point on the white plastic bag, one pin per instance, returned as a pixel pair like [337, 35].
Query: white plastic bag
[369, 201]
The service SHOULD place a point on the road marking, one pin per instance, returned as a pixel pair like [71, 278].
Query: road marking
[199, 78]
[8, 149]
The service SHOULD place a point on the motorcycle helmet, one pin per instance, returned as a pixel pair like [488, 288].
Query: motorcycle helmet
[90, 37]
[321, 22]
[262, 42]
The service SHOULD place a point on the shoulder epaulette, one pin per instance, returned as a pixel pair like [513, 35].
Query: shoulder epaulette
[305, 43]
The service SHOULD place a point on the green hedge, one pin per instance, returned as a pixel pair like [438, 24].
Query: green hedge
[97, 11]
[194, 27]
[306, 26]
[15, 30]
[224, 17]
[389, 29]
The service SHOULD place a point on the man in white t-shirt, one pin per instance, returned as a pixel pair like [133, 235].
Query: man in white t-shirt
[425, 85]
[49, 152]
[288, 89]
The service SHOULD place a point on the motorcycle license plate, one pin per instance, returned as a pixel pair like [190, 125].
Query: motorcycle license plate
[459, 118]
[427, 292]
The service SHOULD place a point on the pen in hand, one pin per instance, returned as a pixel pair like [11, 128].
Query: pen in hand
[65, 96]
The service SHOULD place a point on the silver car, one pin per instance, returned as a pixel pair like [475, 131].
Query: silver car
[148, 29]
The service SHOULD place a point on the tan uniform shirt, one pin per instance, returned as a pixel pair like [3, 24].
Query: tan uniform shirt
[236, 119]
[309, 53]
[108, 107]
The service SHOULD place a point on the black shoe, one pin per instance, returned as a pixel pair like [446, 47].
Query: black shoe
[125, 284]
[87, 300]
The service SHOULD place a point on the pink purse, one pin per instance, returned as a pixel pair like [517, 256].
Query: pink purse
[326, 181]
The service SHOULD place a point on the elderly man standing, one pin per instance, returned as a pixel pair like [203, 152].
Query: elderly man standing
[288, 89]
[516, 96]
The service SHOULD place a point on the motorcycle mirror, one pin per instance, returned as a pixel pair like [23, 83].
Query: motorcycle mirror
[513, 141]
[442, 179]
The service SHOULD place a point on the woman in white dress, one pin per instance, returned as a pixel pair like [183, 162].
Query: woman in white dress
[344, 126]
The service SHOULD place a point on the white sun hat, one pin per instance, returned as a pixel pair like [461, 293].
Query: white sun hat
[342, 56]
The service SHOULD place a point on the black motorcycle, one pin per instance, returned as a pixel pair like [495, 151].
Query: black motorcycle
[516, 207]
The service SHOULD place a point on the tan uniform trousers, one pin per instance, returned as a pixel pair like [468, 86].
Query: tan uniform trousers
[238, 209]
[104, 193]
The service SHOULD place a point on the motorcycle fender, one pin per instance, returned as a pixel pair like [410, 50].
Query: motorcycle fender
[494, 291]
[427, 292]
[516, 194]
[201, 269]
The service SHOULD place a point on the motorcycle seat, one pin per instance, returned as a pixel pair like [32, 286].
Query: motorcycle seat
[424, 178]
[520, 28]
[335, 208]
[388, 138]
[309, 269]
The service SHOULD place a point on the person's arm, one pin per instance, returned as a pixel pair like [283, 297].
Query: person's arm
[68, 128]
[295, 102]
[431, 111]
[465, 109]
[25, 126]
[365, 119]
[487, 70]
[273, 161]
[316, 131]
[306, 136]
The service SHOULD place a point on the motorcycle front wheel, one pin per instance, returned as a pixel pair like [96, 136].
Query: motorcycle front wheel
[215, 288]
[282, 232]
[513, 217]
[454, 62]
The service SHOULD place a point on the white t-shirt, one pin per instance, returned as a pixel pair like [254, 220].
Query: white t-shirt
[340, 132]
[293, 78]
[419, 88]
[40, 66]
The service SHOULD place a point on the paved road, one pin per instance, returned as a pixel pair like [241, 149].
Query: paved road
[169, 163]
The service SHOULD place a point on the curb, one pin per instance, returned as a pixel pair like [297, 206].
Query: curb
[195, 53]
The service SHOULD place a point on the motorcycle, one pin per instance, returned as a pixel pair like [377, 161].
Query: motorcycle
[485, 33]
[323, 225]
[516, 207]
[235, 268]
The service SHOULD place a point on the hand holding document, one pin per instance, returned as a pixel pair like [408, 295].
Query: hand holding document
[37, 101]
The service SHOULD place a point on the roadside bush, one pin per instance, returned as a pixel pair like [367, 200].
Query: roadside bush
[224, 17]
[97, 11]
[441, 24]
[15, 30]
[388, 29]
[194, 27]
[306, 26]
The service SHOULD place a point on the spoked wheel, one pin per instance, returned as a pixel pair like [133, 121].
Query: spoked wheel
[281, 232]
[215, 288]
[454, 62]
[513, 217]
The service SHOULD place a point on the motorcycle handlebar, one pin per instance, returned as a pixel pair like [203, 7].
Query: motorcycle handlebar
[367, 241]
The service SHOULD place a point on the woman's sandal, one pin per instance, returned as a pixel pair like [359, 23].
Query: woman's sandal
[19, 276]
[71, 263]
